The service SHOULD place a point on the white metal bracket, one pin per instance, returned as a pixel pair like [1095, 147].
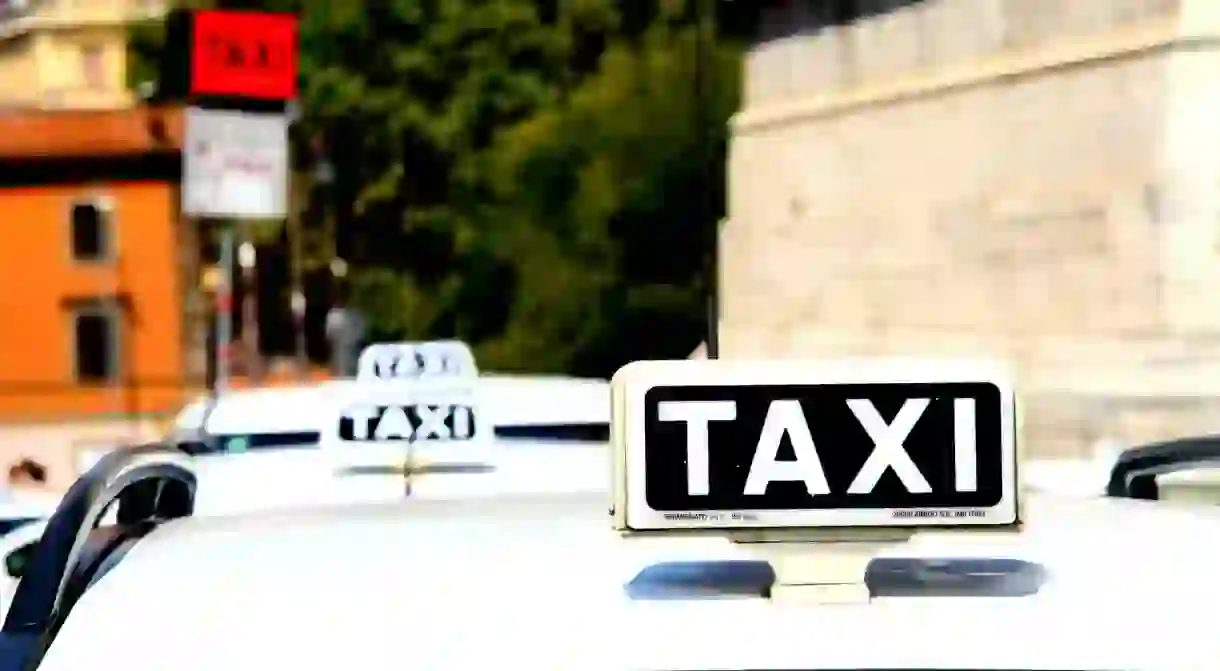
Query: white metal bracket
[820, 565]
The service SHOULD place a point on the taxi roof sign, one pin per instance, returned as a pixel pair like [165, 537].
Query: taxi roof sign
[410, 361]
[862, 443]
[411, 394]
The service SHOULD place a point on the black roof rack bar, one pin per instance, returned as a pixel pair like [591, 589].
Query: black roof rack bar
[1134, 473]
[143, 469]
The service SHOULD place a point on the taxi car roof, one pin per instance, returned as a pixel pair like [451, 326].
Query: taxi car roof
[543, 580]
[267, 481]
[520, 400]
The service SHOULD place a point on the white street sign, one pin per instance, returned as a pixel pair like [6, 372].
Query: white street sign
[235, 165]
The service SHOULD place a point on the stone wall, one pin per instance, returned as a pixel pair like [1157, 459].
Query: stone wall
[924, 36]
[1015, 178]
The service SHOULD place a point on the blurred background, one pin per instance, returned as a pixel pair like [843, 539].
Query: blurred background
[569, 185]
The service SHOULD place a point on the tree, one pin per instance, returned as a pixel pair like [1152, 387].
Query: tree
[602, 188]
[413, 95]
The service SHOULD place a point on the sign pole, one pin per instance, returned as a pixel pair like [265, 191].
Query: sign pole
[705, 26]
[224, 309]
[296, 265]
[236, 71]
[249, 302]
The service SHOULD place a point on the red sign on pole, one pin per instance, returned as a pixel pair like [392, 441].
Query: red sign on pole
[244, 55]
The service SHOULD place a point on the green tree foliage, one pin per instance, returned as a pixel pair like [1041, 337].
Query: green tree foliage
[603, 194]
[522, 174]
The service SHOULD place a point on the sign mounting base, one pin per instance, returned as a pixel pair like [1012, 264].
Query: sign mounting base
[825, 566]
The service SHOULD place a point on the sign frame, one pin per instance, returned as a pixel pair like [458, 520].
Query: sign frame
[632, 513]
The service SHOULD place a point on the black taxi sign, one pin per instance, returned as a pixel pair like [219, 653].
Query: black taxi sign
[416, 422]
[722, 444]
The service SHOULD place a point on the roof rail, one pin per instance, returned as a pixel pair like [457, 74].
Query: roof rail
[148, 486]
[1134, 473]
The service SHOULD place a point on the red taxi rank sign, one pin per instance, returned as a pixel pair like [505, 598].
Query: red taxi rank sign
[243, 55]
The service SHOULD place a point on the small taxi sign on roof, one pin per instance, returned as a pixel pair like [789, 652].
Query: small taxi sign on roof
[853, 443]
[404, 361]
[412, 393]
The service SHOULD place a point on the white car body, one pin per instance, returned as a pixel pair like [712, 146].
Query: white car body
[272, 478]
[1087, 478]
[514, 400]
[542, 582]
[521, 579]
[18, 541]
[1067, 477]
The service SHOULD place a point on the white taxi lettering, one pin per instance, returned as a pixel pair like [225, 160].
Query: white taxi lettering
[785, 418]
[889, 450]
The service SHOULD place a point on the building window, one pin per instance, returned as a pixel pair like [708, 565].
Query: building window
[91, 224]
[95, 342]
[92, 67]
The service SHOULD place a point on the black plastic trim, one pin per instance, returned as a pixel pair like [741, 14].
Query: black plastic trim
[1134, 473]
[149, 493]
[579, 432]
[886, 577]
[255, 442]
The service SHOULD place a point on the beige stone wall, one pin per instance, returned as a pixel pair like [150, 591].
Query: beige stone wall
[1038, 188]
[928, 36]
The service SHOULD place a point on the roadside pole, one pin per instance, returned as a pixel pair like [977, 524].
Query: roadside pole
[247, 260]
[235, 167]
[705, 26]
[236, 95]
[224, 309]
[297, 302]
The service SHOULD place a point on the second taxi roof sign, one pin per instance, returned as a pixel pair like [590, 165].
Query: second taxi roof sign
[851, 443]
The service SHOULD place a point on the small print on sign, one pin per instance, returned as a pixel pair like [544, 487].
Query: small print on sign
[843, 453]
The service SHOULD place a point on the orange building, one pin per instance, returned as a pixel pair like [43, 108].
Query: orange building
[95, 263]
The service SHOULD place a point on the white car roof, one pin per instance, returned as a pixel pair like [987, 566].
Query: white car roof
[529, 400]
[272, 480]
[266, 410]
[518, 400]
[543, 581]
